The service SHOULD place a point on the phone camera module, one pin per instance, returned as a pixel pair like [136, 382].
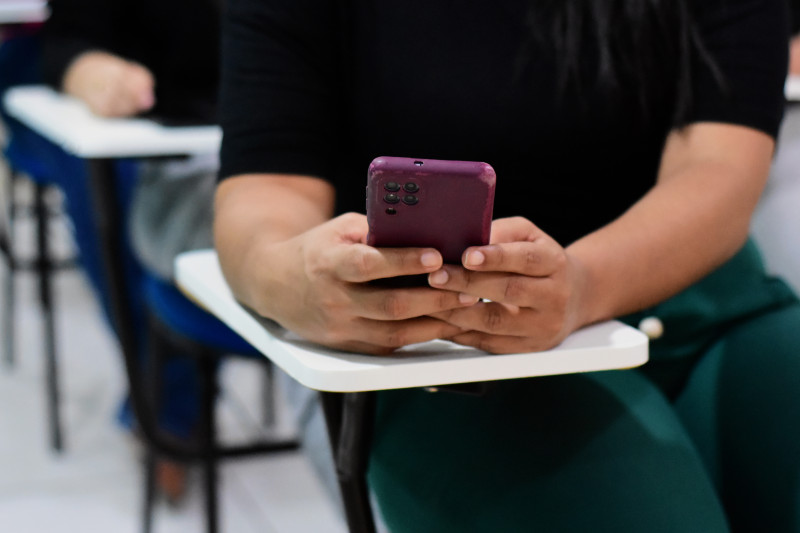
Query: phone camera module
[392, 186]
[410, 199]
[411, 187]
[391, 198]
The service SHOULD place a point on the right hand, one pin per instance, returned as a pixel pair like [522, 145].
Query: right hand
[316, 285]
[110, 85]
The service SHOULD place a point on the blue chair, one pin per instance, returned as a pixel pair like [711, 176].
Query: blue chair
[160, 319]
[175, 324]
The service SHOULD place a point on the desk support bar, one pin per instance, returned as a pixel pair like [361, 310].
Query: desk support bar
[349, 418]
[108, 222]
[7, 248]
[44, 269]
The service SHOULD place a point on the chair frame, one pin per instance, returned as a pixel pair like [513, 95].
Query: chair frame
[44, 266]
[142, 386]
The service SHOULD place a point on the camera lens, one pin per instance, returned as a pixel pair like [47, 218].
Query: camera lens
[392, 186]
[411, 187]
[391, 198]
[410, 199]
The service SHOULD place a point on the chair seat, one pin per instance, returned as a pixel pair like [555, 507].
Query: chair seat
[33, 155]
[185, 318]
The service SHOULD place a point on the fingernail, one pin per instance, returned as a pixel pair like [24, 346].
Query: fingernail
[475, 258]
[429, 259]
[467, 299]
[146, 100]
[439, 277]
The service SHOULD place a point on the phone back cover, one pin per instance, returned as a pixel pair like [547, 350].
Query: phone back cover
[454, 205]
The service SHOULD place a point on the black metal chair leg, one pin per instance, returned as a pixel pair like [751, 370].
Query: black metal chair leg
[44, 271]
[10, 272]
[154, 364]
[349, 419]
[149, 488]
[208, 392]
[269, 398]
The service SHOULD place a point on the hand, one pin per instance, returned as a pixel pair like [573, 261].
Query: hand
[316, 285]
[110, 85]
[794, 56]
[534, 287]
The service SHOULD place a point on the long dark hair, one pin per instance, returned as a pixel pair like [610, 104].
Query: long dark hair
[652, 46]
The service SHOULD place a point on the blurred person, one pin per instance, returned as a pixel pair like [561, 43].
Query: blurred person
[131, 57]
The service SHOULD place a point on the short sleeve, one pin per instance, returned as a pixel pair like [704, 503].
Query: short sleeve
[747, 43]
[277, 87]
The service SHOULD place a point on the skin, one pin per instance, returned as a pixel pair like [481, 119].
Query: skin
[110, 85]
[794, 56]
[285, 257]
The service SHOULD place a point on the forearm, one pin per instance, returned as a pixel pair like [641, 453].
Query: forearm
[253, 213]
[693, 220]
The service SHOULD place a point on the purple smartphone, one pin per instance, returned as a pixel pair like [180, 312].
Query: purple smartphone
[445, 205]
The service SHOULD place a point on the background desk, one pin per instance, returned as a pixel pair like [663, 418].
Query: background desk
[69, 124]
[348, 416]
[792, 89]
[22, 11]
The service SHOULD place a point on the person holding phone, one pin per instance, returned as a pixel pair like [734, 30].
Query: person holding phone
[631, 141]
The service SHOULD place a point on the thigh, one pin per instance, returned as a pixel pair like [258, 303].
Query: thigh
[588, 452]
[742, 408]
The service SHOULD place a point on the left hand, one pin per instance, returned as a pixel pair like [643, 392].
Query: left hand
[534, 285]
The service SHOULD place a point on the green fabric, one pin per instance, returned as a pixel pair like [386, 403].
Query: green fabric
[699, 316]
[742, 408]
[660, 449]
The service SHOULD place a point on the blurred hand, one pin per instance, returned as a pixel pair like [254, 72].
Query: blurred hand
[534, 287]
[316, 285]
[110, 85]
[794, 56]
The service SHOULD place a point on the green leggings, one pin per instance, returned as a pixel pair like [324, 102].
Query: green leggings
[705, 438]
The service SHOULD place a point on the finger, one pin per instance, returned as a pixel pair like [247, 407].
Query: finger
[351, 228]
[361, 348]
[492, 317]
[109, 105]
[401, 304]
[141, 87]
[514, 289]
[514, 229]
[396, 334]
[114, 101]
[542, 257]
[500, 344]
[499, 319]
[360, 263]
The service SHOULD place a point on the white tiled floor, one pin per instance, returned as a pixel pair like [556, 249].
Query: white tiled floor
[95, 485]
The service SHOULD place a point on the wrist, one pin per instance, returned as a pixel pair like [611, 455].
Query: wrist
[592, 304]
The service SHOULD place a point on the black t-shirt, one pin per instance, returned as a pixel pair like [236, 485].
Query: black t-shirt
[178, 40]
[320, 87]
